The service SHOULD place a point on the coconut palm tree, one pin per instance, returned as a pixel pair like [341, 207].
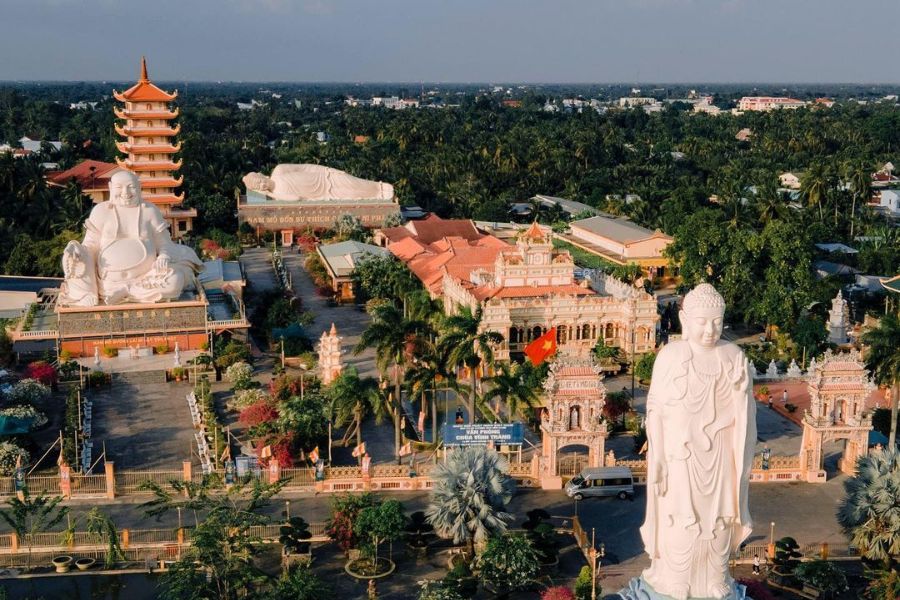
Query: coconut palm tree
[392, 336]
[469, 496]
[352, 399]
[466, 345]
[427, 369]
[513, 386]
[868, 513]
[814, 187]
[860, 180]
[883, 360]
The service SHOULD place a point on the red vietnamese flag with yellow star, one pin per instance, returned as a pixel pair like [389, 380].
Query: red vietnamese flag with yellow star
[538, 350]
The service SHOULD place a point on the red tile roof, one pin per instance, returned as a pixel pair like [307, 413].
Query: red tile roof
[83, 176]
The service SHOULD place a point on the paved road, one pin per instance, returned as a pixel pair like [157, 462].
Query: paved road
[804, 511]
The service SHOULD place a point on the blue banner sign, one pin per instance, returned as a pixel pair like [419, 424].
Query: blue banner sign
[479, 434]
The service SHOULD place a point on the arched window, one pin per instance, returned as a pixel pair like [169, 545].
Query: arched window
[513, 335]
[609, 331]
[536, 332]
[585, 332]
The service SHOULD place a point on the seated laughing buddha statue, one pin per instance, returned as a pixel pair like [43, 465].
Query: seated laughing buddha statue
[127, 254]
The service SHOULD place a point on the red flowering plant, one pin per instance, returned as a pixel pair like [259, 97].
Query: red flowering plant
[260, 418]
[283, 387]
[282, 447]
[344, 511]
[42, 371]
[558, 592]
[307, 242]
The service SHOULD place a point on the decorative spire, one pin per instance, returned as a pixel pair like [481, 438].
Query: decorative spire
[144, 77]
[333, 330]
[535, 231]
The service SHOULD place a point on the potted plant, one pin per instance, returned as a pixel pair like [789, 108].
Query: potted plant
[293, 537]
[418, 534]
[178, 373]
[161, 348]
[375, 525]
[62, 564]
[787, 557]
[83, 564]
[542, 536]
[110, 351]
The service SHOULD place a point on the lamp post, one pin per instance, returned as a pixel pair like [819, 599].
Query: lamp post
[633, 361]
[772, 540]
[303, 367]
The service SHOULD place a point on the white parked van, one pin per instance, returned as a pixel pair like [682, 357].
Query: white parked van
[602, 481]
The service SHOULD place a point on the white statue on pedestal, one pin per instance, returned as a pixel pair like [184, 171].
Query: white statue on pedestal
[701, 426]
[127, 254]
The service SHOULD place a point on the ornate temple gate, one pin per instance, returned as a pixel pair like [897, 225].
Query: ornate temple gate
[838, 389]
[572, 419]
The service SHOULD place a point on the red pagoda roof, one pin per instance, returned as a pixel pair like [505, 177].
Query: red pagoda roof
[144, 90]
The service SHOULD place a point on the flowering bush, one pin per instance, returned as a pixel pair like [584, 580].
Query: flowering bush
[344, 510]
[259, 413]
[212, 249]
[558, 592]
[306, 242]
[29, 391]
[238, 375]
[42, 371]
[244, 398]
[9, 452]
[39, 419]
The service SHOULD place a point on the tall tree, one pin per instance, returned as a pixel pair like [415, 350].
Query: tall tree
[467, 345]
[393, 337]
[512, 384]
[883, 360]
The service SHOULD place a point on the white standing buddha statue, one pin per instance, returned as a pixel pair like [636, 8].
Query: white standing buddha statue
[701, 427]
[127, 254]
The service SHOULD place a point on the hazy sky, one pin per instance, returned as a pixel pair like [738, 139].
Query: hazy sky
[453, 40]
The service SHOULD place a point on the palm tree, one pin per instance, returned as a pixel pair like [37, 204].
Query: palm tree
[867, 514]
[465, 345]
[883, 360]
[512, 385]
[861, 184]
[469, 496]
[814, 187]
[392, 336]
[352, 399]
[427, 369]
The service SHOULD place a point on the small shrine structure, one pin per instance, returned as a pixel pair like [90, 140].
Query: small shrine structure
[838, 388]
[575, 396]
[838, 320]
[330, 362]
[150, 148]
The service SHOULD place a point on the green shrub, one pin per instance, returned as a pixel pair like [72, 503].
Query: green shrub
[509, 563]
[583, 584]
[822, 574]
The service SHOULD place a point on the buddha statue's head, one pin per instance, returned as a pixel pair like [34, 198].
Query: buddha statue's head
[124, 189]
[258, 182]
[701, 315]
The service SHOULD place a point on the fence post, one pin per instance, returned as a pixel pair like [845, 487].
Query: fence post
[109, 468]
[126, 538]
[186, 472]
[180, 536]
[14, 542]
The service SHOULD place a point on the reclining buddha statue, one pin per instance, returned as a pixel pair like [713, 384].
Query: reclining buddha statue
[127, 254]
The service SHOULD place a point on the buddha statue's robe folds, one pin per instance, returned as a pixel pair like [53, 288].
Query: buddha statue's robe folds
[701, 428]
[127, 254]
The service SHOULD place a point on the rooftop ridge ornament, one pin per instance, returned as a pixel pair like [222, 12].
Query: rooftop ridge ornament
[144, 78]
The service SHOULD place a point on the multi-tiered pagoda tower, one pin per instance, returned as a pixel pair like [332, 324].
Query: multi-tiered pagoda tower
[151, 148]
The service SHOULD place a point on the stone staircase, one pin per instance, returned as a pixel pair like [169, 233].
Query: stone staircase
[140, 377]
